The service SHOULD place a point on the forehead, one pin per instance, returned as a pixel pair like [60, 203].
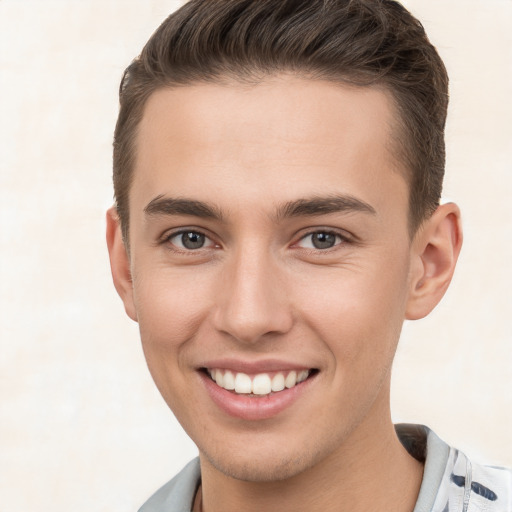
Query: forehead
[282, 138]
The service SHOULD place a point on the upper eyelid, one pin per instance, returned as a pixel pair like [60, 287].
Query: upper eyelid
[179, 251]
[343, 234]
[299, 235]
[326, 230]
[170, 233]
[342, 240]
[166, 237]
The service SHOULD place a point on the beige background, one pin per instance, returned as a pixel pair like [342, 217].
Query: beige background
[82, 427]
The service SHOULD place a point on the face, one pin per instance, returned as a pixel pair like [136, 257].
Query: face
[269, 250]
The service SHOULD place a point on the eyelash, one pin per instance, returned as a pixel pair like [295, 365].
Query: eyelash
[340, 239]
[184, 250]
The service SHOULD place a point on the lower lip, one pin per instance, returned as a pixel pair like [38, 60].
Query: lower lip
[253, 408]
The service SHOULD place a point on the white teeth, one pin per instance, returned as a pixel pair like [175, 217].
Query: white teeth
[278, 382]
[291, 379]
[229, 381]
[261, 384]
[243, 383]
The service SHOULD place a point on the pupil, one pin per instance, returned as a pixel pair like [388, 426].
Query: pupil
[323, 240]
[192, 240]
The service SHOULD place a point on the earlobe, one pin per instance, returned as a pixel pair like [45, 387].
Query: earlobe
[120, 262]
[435, 248]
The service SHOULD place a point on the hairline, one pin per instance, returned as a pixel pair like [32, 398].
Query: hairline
[397, 145]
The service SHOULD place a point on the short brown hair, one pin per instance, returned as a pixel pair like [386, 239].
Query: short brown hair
[358, 42]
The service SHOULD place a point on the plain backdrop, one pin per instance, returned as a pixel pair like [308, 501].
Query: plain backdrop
[82, 426]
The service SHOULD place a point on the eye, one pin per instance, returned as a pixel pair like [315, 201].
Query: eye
[190, 240]
[320, 240]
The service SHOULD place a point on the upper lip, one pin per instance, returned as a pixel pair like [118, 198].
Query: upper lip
[254, 367]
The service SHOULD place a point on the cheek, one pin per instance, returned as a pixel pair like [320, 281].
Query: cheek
[170, 309]
[170, 313]
[169, 301]
[358, 312]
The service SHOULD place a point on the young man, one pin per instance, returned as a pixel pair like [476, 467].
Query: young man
[277, 170]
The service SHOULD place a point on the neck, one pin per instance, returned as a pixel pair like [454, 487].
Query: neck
[371, 470]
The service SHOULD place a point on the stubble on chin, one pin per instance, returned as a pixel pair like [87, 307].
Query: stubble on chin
[275, 467]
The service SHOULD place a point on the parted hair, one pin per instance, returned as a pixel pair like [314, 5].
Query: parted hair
[366, 43]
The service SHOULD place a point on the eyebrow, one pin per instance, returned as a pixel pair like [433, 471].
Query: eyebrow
[303, 207]
[324, 206]
[161, 205]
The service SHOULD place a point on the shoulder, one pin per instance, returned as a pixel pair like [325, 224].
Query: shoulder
[451, 481]
[178, 494]
[467, 486]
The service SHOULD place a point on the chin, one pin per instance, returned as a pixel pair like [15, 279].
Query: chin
[268, 471]
[263, 465]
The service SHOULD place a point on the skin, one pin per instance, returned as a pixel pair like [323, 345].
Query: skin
[260, 289]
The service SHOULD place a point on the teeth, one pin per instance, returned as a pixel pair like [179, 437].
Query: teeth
[229, 381]
[301, 377]
[291, 379]
[278, 382]
[261, 384]
[243, 383]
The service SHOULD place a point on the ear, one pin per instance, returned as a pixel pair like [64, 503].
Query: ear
[435, 250]
[120, 262]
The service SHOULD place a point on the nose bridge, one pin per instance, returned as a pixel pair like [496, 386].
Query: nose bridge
[253, 301]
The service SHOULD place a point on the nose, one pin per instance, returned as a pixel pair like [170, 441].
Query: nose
[252, 303]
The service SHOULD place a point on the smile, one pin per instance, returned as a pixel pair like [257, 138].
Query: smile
[254, 391]
[261, 384]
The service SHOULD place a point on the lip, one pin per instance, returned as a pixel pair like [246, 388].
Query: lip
[252, 408]
[253, 367]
